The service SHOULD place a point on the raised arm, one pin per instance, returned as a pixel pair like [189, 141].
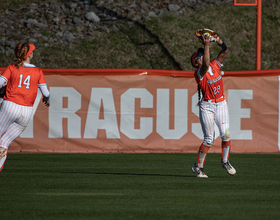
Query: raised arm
[222, 55]
[206, 58]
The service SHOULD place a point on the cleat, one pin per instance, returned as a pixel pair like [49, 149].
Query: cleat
[199, 171]
[3, 157]
[229, 168]
[3, 152]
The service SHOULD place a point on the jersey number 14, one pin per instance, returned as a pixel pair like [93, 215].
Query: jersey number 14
[25, 82]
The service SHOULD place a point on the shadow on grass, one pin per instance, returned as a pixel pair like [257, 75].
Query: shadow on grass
[132, 174]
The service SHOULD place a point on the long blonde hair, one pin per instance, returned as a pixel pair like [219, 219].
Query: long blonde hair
[21, 50]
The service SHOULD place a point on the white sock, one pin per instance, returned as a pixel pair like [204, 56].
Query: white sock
[225, 153]
[201, 159]
[2, 161]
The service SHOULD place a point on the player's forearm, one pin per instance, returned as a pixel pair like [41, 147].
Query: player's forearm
[222, 45]
[2, 81]
[206, 61]
[219, 41]
[206, 58]
[44, 90]
[222, 55]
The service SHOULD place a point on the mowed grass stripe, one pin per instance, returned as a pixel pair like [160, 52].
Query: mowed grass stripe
[138, 186]
[77, 194]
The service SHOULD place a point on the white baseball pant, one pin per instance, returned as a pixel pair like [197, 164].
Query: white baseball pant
[14, 119]
[211, 113]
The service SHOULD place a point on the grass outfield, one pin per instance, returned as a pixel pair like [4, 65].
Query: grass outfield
[138, 186]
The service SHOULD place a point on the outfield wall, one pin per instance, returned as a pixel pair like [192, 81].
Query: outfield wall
[142, 111]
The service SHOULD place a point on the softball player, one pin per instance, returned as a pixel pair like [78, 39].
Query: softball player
[23, 80]
[212, 106]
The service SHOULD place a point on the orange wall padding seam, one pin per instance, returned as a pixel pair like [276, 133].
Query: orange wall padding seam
[174, 73]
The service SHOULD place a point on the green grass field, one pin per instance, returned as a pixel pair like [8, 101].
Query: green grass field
[138, 186]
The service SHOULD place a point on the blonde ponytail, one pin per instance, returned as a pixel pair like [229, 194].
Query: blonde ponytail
[21, 50]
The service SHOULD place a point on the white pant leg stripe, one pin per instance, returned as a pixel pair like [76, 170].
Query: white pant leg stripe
[27, 113]
[219, 118]
[225, 120]
[6, 118]
[17, 111]
[14, 111]
[14, 131]
[207, 122]
[21, 113]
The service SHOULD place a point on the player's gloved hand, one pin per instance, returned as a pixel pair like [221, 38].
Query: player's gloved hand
[2, 91]
[206, 39]
[46, 101]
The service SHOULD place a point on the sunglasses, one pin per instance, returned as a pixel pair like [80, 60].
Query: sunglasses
[198, 56]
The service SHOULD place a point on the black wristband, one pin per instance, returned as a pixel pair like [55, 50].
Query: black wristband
[223, 46]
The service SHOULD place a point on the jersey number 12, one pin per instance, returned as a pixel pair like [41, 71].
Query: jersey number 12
[26, 81]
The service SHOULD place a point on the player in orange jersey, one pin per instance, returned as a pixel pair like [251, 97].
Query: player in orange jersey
[23, 80]
[212, 106]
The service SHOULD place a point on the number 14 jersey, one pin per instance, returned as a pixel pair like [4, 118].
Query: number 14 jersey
[23, 83]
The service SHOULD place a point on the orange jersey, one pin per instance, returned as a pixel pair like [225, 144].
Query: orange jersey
[23, 84]
[211, 84]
